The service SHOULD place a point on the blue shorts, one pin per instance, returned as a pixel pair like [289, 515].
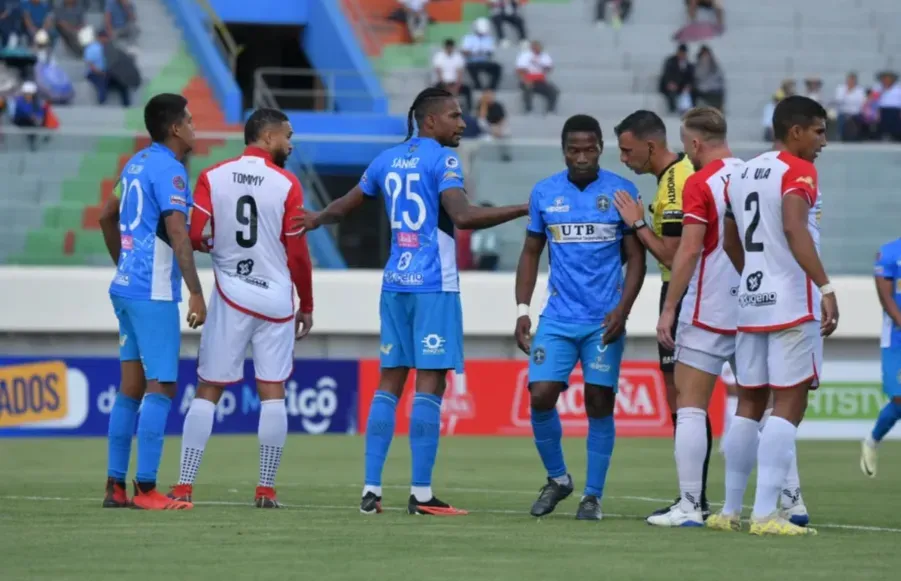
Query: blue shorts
[891, 371]
[149, 331]
[421, 330]
[556, 347]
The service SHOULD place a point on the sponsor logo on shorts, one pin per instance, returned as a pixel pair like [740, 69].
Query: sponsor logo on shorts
[538, 355]
[386, 349]
[433, 344]
[598, 364]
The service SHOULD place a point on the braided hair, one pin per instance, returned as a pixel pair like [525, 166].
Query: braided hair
[416, 113]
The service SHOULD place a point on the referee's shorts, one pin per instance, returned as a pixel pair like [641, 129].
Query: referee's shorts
[668, 356]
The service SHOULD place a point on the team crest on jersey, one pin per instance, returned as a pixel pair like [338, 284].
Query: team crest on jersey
[603, 203]
[178, 183]
[451, 162]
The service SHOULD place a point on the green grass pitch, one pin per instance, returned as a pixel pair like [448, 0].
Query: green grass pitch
[52, 526]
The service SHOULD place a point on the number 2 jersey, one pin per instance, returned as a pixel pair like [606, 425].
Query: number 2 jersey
[775, 293]
[411, 177]
[153, 184]
[258, 251]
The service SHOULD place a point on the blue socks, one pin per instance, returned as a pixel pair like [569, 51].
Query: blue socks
[890, 414]
[548, 432]
[601, 436]
[151, 429]
[425, 426]
[121, 429]
[379, 432]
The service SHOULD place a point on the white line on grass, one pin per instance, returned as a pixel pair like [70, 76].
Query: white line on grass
[390, 508]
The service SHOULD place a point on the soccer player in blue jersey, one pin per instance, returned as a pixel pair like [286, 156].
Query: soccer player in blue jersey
[421, 181]
[888, 287]
[589, 299]
[146, 233]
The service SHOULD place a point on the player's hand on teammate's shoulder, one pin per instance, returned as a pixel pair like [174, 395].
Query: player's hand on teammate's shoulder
[196, 310]
[614, 325]
[303, 323]
[524, 334]
[665, 329]
[829, 319]
[628, 207]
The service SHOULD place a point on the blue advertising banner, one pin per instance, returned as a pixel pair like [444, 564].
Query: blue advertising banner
[72, 396]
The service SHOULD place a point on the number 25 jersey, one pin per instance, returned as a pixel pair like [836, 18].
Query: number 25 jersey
[411, 176]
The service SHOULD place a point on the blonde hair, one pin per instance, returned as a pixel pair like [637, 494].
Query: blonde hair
[708, 122]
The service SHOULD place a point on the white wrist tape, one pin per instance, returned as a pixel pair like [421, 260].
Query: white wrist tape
[827, 289]
[522, 310]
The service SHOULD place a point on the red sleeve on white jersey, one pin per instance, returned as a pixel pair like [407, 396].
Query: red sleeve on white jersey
[800, 178]
[299, 263]
[698, 206]
[202, 211]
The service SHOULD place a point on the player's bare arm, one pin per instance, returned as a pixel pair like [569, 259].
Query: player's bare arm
[636, 270]
[177, 230]
[684, 263]
[333, 213]
[732, 244]
[885, 288]
[465, 216]
[795, 214]
[526, 277]
[109, 225]
[662, 248]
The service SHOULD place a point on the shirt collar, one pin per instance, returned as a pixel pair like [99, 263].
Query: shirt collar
[679, 158]
[257, 152]
[162, 148]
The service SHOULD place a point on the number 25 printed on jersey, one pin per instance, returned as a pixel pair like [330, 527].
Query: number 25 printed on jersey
[402, 187]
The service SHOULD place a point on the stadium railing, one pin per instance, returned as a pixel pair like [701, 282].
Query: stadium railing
[222, 37]
[327, 93]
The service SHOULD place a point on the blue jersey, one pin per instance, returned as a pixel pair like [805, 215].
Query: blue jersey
[411, 177]
[888, 265]
[584, 233]
[153, 184]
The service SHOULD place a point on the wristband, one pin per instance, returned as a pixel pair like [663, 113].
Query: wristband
[827, 289]
[522, 310]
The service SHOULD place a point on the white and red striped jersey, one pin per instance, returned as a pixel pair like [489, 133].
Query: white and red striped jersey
[257, 252]
[775, 292]
[710, 302]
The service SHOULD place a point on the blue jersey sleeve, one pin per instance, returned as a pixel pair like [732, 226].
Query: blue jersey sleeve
[886, 263]
[633, 191]
[369, 181]
[536, 221]
[170, 188]
[449, 171]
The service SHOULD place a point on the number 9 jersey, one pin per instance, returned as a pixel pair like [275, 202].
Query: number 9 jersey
[411, 177]
[153, 184]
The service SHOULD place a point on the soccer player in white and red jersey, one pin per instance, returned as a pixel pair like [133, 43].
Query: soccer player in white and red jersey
[786, 306]
[704, 281]
[259, 256]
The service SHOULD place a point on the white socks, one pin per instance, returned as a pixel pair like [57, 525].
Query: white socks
[731, 408]
[791, 489]
[777, 448]
[740, 450]
[690, 450]
[421, 493]
[195, 433]
[272, 432]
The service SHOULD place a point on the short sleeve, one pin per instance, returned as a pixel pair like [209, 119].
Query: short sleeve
[522, 61]
[469, 43]
[728, 199]
[449, 172]
[546, 60]
[202, 195]
[800, 179]
[170, 187]
[536, 224]
[697, 202]
[369, 181]
[885, 265]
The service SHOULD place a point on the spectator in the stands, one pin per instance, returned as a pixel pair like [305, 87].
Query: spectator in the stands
[714, 6]
[492, 117]
[417, 18]
[37, 15]
[533, 66]
[813, 88]
[870, 115]
[848, 103]
[11, 26]
[121, 20]
[710, 83]
[29, 111]
[95, 54]
[478, 48]
[450, 66]
[612, 11]
[767, 120]
[507, 11]
[70, 18]
[889, 106]
[43, 49]
[677, 79]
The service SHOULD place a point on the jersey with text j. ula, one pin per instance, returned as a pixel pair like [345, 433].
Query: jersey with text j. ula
[584, 234]
[411, 177]
[775, 293]
[888, 266]
[710, 302]
[153, 184]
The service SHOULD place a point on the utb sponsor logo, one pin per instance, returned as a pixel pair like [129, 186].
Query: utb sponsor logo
[33, 393]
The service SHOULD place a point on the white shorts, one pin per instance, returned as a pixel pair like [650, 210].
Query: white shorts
[704, 350]
[224, 341]
[779, 359]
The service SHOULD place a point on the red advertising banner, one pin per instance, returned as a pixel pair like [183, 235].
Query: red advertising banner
[492, 399]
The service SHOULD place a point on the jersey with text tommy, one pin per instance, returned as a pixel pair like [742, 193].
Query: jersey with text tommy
[411, 176]
[153, 184]
[888, 266]
[584, 234]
